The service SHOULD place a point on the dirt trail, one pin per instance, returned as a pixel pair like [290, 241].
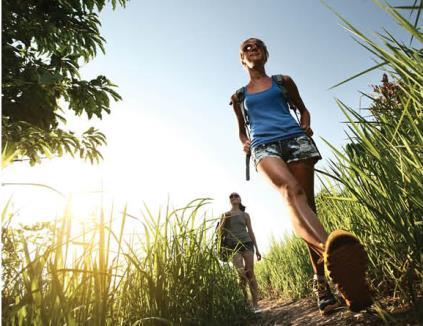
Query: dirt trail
[305, 312]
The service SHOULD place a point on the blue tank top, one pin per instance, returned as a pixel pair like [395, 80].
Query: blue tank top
[269, 116]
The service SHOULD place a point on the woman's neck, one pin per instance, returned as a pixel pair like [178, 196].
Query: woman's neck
[257, 73]
[235, 208]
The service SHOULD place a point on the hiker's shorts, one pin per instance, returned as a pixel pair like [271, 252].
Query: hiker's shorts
[243, 246]
[290, 150]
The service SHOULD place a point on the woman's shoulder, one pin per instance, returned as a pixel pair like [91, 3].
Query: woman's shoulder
[238, 95]
[282, 78]
[227, 214]
[234, 213]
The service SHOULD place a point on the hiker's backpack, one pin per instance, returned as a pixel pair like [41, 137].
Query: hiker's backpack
[240, 97]
[223, 249]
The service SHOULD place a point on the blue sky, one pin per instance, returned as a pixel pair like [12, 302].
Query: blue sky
[174, 134]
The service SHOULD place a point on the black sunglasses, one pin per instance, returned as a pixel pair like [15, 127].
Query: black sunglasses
[233, 196]
[249, 47]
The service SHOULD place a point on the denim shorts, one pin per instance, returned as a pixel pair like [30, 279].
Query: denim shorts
[243, 246]
[290, 150]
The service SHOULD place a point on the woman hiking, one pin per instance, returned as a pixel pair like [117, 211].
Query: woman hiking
[285, 154]
[240, 239]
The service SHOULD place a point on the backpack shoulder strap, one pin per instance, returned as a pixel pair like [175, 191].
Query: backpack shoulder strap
[279, 79]
[280, 82]
[221, 222]
[239, 97]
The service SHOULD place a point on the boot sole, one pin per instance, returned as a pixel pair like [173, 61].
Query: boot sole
[329, 309]
[346, 261]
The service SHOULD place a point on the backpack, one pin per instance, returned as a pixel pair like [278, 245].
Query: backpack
[223, 245]
[240, 97]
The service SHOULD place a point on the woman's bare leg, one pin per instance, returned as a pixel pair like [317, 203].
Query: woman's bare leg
[303, 171]
[249, 273]
[304, 220]
[238, 262]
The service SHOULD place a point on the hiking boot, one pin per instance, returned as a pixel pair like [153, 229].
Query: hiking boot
[325, 299]
[346, 261]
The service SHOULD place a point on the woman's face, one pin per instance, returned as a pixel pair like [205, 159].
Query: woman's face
[235, 199]
[253, 53]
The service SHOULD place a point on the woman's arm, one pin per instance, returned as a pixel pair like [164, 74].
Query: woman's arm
[252, 236]
[295, 99]
[241, 124]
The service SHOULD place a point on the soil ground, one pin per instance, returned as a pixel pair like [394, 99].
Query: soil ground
[275, 312]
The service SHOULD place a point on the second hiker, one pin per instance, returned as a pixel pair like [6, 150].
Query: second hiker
[236, 224]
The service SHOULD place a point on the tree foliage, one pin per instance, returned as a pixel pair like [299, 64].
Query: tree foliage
[43, 45]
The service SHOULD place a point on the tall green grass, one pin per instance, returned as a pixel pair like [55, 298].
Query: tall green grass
[377, 185]
[285, 270]
[166, 273]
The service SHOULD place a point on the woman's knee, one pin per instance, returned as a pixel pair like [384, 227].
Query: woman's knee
[291, 191]
[249, 274]
[241, 272]
[242, 280]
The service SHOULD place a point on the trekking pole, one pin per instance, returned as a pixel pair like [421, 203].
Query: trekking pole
[240, 92]
[247, 166]
[247, 157]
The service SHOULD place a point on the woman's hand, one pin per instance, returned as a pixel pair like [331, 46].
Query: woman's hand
[305, 124]
[258, 254]
[246, 146]
[308, 131]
